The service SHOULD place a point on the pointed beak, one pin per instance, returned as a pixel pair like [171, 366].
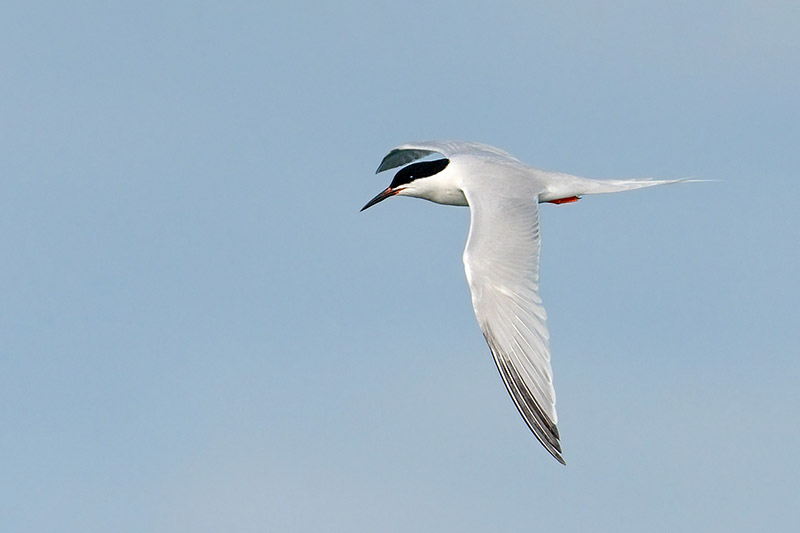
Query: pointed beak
[382, 196]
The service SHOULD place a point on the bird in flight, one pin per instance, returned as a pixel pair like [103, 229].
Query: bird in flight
[501, 258]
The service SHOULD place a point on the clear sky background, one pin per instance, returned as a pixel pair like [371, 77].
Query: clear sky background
[200, 332]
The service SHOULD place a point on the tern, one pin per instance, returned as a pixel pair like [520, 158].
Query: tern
[501, 258]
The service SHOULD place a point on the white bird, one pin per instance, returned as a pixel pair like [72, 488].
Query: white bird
[501, 258]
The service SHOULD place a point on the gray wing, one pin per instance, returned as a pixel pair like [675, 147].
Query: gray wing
[502, 266]
[406, 153]
[398, 157]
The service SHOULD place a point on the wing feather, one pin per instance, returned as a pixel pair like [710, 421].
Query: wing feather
[399, 157]
[502, 265]
[406, 153]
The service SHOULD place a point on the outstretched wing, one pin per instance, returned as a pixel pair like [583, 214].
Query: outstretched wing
[406, 153]
[502, 265]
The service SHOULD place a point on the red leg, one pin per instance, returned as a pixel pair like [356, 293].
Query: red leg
[567, 200]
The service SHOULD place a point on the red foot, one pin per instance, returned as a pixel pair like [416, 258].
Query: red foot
[567, 200]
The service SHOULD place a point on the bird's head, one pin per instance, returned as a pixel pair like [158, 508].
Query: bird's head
[413, 180]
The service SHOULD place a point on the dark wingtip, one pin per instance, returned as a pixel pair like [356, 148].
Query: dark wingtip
[400, 156]
[537, 421]
[386, 162]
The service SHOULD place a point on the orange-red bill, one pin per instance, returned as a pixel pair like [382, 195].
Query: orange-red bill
[383, 195]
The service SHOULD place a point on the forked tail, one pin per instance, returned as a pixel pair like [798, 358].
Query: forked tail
[564, 188]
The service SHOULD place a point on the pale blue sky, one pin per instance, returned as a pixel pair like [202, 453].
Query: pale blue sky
[200, 332]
